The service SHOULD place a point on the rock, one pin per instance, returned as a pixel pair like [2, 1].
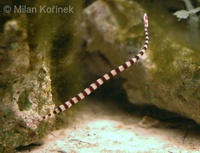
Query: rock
[168, 76]
[34, 47]
[25, 91]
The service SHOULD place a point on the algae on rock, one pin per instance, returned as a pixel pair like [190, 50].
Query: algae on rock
[36, 52]
[168, 76]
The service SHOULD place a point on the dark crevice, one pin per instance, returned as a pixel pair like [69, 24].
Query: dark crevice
[28, 147]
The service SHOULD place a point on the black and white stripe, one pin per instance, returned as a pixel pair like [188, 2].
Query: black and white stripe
[104, 78]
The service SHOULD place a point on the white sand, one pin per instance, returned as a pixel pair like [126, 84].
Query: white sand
[103, 127]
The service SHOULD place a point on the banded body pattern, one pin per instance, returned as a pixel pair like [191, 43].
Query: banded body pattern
[104, 78]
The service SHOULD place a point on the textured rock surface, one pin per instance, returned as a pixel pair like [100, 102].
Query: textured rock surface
[34, 47]
[168, 76]
[25, 88]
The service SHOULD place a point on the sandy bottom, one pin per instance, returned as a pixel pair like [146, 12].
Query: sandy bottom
[106, 127]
